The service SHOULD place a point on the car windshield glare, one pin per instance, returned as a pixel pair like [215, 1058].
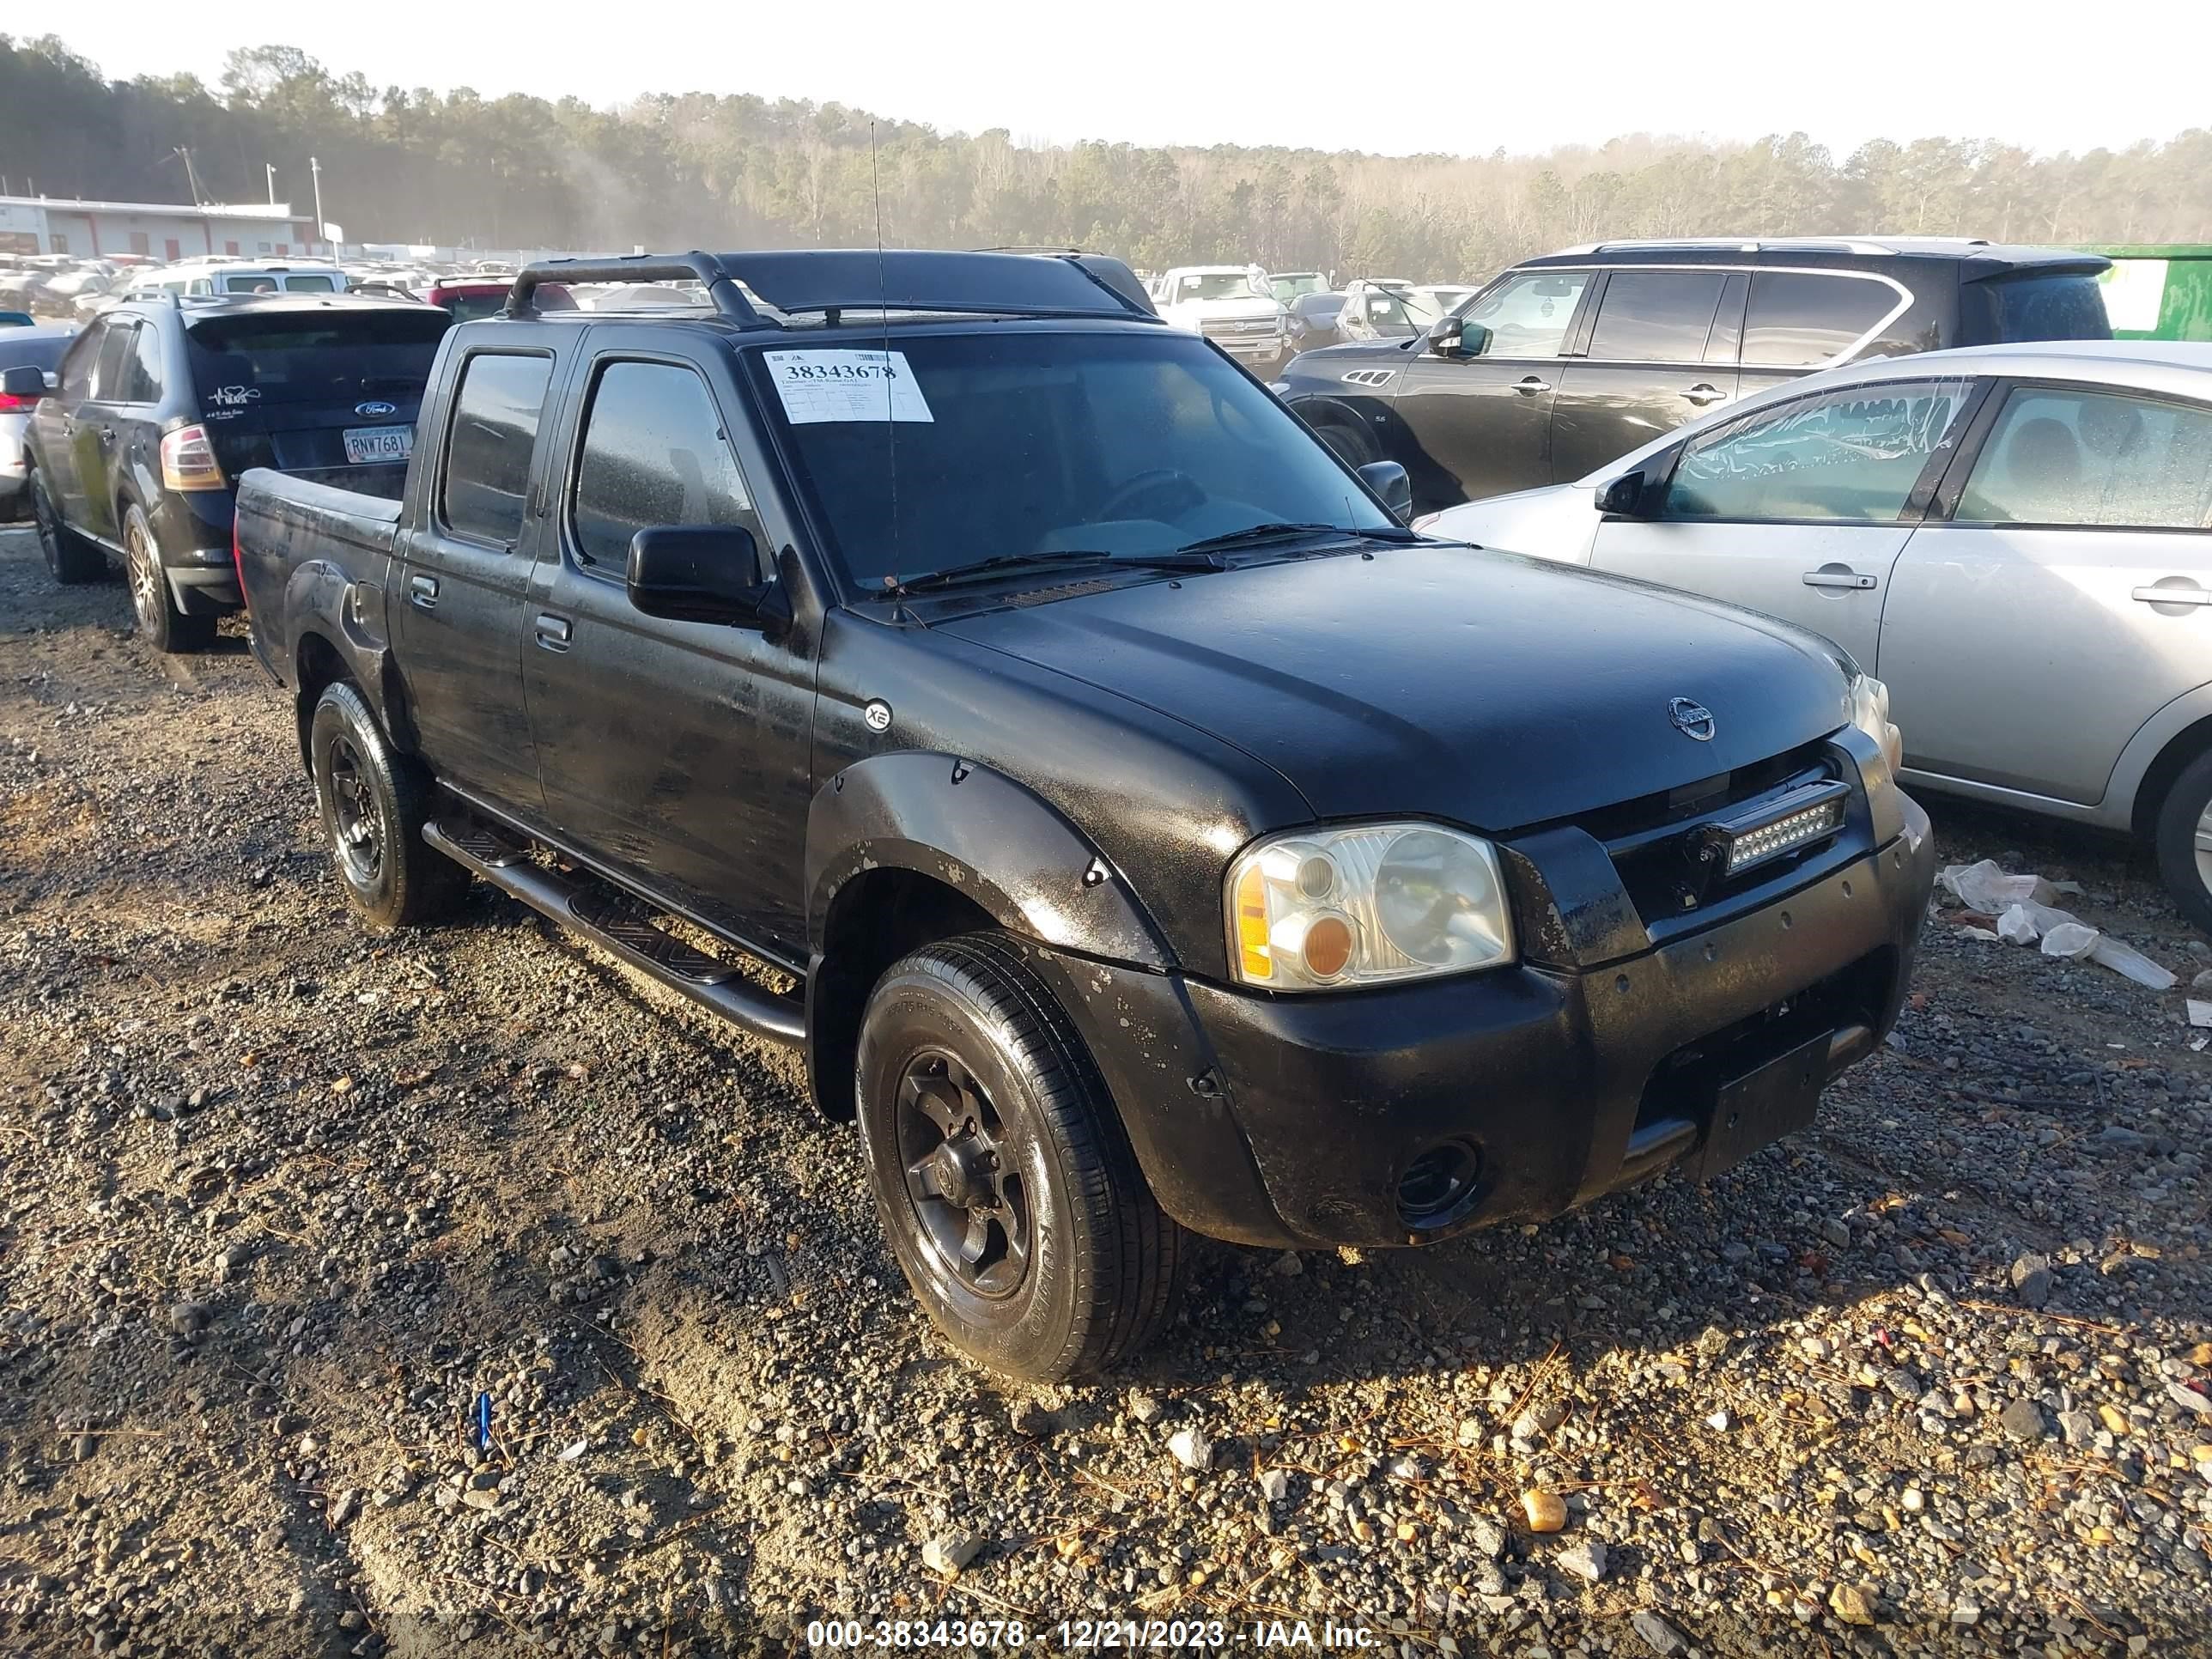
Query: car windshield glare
[985, 445]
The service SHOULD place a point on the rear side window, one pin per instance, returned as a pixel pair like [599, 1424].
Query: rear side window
[654, 453]
[310, 284]
[496, 410]
[2060, 305]
[1796, 319]
[1655, 316]
[142, 382]
[113, 369]
[2089, 458]
[1846, 457]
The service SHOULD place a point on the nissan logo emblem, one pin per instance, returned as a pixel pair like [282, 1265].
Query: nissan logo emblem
[1692, 719]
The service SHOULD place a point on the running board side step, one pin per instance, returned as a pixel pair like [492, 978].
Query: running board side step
[587, 908]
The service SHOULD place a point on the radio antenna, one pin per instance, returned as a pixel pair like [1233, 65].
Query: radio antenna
[884, 317]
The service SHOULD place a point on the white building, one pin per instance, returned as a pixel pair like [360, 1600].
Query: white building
[167, 231]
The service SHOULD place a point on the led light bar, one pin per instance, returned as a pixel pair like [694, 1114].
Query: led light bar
[1796, 821]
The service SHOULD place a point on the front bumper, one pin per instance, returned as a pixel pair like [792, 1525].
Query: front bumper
[1294, 1121]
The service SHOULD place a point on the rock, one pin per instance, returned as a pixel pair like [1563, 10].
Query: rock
[1026, 1418]
[1275, 1485]
[1289, 1265]
[2030, 1280]
[1836, 1232]
[2023, 1419]
[1855, 1604]
[950, 1551]
[1487, 1537]
[1538, 1420]
[1546, 1510]
[347, 1506]
[1143, 1406]
[1586, 1560]
[1658, 1635]
[2203, 980]
[1815, 1348]
[190, 1318]
[85, 1446]
[477, 1499]
[2189, 1400]
[1965, 1612]
[1192, 1449]
[1719, 1422]
[2079, 1428]
[1470, 1432]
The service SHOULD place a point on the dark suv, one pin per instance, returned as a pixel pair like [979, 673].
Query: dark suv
[1567, 362]
[160, 404]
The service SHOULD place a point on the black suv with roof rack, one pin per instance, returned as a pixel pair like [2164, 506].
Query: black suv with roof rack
[1129, 820]
[159, 405]
[1567, 362]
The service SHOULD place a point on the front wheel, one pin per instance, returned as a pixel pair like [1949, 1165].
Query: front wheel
[166, 628]
[70, 558]
[2184, 840]
[374, 803]
[1001, 1172]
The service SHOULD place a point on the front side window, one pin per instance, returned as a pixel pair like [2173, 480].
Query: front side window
[309, 284]
[1527, 315]
[1655, 316]
[2061, 457]
[1120, 443]
[1848, 457]
[495, 428]
[654, 453]
[112, 372]
[77, 364]
[1799, 317]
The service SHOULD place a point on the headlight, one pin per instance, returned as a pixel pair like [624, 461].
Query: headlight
[1866, 705]
[1324, 909]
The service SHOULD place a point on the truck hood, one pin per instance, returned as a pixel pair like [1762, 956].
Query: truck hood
[1439, 681]
[1226, 310]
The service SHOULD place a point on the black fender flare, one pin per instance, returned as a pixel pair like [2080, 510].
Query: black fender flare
[986, 837]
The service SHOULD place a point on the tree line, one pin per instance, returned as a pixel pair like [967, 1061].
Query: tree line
[694, 169]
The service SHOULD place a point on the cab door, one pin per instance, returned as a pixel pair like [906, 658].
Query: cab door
[1482, 424]
[96, 432]
[675, 753]
[1662, 352]
[54, 421]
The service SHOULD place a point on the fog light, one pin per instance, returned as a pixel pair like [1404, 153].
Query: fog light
[1438, 1186]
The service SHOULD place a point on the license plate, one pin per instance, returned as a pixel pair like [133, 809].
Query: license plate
[1777, 1099]
[365, 445]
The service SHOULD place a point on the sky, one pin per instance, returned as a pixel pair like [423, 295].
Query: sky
[1385, 77]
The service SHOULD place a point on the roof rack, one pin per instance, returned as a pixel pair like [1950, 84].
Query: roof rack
[1779, 244]
[833, 280]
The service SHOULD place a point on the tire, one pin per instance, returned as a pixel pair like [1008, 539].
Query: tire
[374, 804]
[71, 560]
[1350, 441]
[2183, 839]
[152, 605]
[1032, 1242]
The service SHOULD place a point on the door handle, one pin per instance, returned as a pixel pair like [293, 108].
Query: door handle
[1837, 576]
[553, 631]
[107, 434]
[2176, 595]
[423, 593]
[1703, 393]
[1530, 385]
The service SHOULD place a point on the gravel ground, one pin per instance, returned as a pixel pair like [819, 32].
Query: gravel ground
[283, 1208]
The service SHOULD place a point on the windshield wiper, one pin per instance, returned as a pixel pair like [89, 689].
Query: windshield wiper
[1014, 564]
[1255, 535]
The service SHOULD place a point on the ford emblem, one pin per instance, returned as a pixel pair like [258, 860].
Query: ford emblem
[375, 411]
[1692, 719]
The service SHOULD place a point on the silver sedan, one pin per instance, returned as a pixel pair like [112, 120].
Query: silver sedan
[2017, 539]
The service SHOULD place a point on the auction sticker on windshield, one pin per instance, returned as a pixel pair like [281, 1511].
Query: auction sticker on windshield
[842, 385]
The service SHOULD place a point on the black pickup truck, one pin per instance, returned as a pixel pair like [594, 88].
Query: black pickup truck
[933, 662]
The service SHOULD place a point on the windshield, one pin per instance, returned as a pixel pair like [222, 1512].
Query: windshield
[1217, 285]
[2067, 305]
[1296, 286]
[1027, 442]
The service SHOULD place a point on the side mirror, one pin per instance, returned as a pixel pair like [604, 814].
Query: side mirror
[1448, 337]
[704, 572]
[1388, 481]
[24, 381]
[1624, 497]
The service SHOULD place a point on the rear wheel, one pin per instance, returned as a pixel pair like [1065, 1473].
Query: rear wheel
[2184, 840]
[1002, 1174]
[166, 628]
[70, 558]
[374, 803]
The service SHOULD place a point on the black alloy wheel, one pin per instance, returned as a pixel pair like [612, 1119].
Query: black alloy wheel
[971, 1204]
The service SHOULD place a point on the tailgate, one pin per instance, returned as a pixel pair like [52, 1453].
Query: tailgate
[282, 523]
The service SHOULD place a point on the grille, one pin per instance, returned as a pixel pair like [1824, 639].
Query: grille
[1244, 329]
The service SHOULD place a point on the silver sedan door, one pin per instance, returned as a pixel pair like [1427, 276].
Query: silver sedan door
[2067, 598]
[1800, 508]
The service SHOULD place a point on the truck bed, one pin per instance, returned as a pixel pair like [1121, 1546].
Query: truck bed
[304, 547]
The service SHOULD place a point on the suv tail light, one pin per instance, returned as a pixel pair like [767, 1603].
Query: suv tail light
[188, 460]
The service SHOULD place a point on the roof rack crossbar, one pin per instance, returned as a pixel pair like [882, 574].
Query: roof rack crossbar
[695, 266]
